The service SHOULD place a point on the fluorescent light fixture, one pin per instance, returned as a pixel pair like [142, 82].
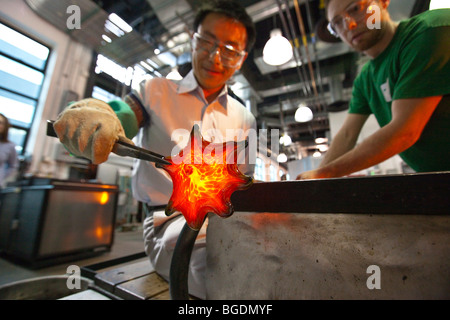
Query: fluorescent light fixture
[108, 66]
[146, 66]
[111, 27]
[106, 38]
[278, 49]
[317, 154]
[152, 63]
[118, 21]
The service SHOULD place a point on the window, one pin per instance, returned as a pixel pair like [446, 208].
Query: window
[259, 170]
[22, 71]
[272, 173]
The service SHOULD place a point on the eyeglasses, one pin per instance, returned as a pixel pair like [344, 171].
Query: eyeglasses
[355, 11]
[229, 56]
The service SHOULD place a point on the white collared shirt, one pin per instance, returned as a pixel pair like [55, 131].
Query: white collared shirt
[174, 108]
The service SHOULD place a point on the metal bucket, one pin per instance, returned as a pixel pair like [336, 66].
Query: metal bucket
[41, 288]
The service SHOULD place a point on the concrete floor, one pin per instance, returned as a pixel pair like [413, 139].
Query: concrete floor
[125, 243]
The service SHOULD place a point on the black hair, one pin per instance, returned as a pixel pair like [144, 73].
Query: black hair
[232, 9]
[4, 134]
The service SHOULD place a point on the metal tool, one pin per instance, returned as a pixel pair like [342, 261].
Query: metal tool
[123, 148]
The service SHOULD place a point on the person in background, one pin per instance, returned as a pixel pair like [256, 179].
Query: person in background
[405, 85]
[8, 155]
[223, 36]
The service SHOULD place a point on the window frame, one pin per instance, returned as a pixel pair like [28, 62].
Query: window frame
[39, 93]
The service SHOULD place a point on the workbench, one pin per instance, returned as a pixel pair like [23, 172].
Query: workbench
[384, 237]
[127, 278]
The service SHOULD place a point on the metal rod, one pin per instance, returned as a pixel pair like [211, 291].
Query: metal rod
[427, 194]
[314, 46]
[179, 267]
[296, 44]
[305, 44]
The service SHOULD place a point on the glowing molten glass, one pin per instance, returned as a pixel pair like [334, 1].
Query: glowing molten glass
[204, 177]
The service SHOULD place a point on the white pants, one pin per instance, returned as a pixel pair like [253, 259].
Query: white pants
[160, 243]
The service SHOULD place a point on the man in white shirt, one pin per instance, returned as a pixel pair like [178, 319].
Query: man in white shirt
[163, 112]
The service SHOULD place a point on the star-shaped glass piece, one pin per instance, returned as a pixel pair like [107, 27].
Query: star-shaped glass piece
[204, 177]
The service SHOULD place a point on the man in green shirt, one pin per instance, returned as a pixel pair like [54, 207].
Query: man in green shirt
[405, 85]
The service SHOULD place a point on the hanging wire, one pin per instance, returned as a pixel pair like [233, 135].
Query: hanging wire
[305, 44]
[314, 45]
[306, 89]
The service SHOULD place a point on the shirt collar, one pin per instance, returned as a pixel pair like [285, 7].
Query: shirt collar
[190, 84]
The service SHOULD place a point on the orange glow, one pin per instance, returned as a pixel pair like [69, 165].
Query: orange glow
[204, 177]
[99, 232]
[104, 197]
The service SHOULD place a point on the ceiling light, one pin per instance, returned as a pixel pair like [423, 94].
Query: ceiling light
[152, 63]
[439, 4]
[282, 158]
[320, 140]
[303, 114]
[322, 148]
[114, 18]
[278, 49]
[106, 38]
[146, 66]
[285, 139]
[317, 154]
[111, 27]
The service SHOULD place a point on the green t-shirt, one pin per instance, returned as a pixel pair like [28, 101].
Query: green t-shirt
[416, 64]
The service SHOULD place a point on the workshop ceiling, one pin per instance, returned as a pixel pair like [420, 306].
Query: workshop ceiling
[319, 76]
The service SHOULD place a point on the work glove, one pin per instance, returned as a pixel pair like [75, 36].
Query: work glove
[89, 128]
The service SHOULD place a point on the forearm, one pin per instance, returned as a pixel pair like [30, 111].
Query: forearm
[377, 148]
[409, 118]
[342, 143]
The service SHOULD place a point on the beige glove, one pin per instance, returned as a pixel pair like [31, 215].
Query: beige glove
[89, 128]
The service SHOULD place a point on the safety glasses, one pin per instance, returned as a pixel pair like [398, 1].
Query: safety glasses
[229, 56]
[354, 12]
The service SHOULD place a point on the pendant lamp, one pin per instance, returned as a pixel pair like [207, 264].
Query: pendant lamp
[278, 49]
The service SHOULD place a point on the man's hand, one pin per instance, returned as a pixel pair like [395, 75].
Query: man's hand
[312, 174]
[89, 128]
